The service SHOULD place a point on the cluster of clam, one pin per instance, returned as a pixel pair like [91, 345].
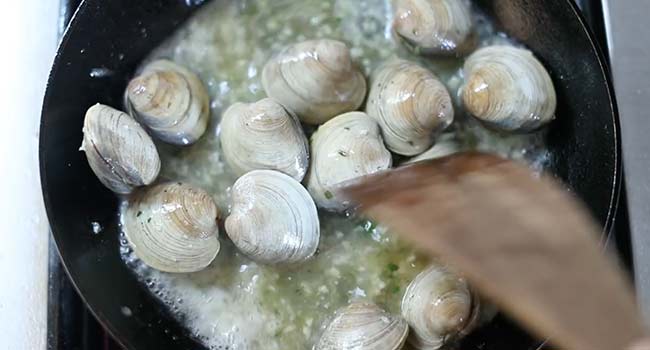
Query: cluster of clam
[438, 308]
[172, 226]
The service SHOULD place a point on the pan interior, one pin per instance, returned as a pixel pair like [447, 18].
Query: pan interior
[94, 65]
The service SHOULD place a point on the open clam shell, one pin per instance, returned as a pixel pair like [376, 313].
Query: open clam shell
[436, 27]
[447, 144]
[118, 149]
[364, 326]
[264, 135]
[172, 227]
[316, 79]
[345, 148]
[508, 89]
[440, 307]
[273, 218]
[411, 105]
[171, 101]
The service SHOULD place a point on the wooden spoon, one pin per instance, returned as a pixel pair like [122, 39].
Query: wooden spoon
[523, 241]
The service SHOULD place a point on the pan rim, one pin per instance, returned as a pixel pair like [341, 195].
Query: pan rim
[608, 225]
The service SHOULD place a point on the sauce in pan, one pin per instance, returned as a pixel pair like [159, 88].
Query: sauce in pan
[236, 303]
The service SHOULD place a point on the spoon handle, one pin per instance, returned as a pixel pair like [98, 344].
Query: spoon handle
[523, 241]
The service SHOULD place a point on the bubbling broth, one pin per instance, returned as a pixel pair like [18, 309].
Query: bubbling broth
[236, 303]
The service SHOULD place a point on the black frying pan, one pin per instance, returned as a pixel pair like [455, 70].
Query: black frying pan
[116, 35]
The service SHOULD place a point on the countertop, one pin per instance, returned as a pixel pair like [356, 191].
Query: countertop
[629, 42]
[28, 36]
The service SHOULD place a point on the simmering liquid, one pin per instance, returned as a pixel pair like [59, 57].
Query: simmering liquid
[236, 303]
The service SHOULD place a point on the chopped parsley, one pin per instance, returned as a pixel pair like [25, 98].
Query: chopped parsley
[392, 267]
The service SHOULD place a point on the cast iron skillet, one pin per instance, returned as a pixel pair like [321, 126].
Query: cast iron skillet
[107, 39]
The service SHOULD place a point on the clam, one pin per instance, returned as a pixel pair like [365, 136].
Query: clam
[171, 101]
[264, 135]
[440, 307]
[411, 105]
[436, 27]
[172, 227]
[446, 145]
[316, 79]
[273, 218]
[508, 89]
[118, 149]
[346, 147]
[363, 326]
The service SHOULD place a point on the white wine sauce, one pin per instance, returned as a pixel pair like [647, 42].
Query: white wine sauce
[235, 303]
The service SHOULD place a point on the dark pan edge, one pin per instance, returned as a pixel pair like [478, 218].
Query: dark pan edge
[616, 186]
[56, 63]
[605, 71]
[46, 198]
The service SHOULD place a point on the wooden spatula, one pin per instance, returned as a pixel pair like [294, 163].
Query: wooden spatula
[524, 242]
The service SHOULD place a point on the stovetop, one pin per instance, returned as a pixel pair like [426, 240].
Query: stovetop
[71, 326]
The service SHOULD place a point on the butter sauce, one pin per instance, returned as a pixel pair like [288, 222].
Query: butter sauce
[235, 303]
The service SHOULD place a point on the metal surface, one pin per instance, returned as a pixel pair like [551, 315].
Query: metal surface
[629, 43]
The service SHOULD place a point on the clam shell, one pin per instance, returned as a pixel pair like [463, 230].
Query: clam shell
[171, 101]
[172, 227]
[446, 145]
[118, 149]
[411, 105]
[508, 89]
[364, 326]
[439, 307]
[273, 218]
[316, 79]
[264, 135]
[345, 148]
[436, 27]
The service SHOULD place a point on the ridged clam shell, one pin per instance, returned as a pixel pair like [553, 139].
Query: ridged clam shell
[273, 218]
[345, 148]
[364, 326]
[411, 105]
[446, 145]
[172, 227]
[264, 135]
[118, 149]
[439, 307]
[315, 79]
[508, 89]
[171, 101]
[437, 27]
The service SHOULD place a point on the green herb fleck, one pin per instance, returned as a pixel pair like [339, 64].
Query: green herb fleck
[395, 289]
[369, 226]
[392, 267]
[329, 195]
